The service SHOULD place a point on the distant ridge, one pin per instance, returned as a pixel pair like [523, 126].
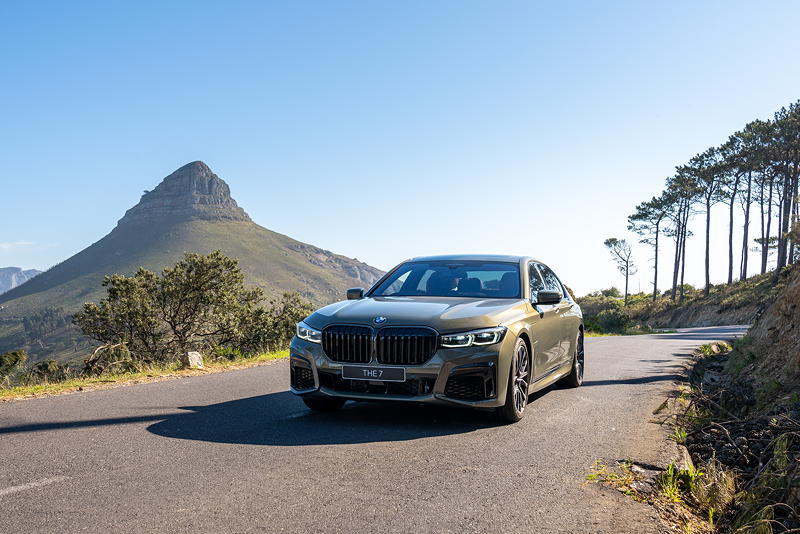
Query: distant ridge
[11, 277]
[191, 210]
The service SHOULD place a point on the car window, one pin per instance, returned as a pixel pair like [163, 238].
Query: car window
[535, 281]
[397, 285]
[492, 279]
[551, 281]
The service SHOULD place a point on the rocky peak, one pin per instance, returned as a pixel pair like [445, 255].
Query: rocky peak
[193, 191]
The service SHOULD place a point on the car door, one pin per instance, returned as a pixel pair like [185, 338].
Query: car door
[565, 320]
[545, 329]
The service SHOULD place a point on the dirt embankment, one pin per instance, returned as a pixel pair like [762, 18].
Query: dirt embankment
[743, 302]
[747, 419]
[703, 314]
[775, 339]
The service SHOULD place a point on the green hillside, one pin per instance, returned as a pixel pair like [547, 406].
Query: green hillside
[190, 211]
[272, 261]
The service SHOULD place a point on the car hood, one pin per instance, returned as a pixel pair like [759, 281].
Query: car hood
[445, 314]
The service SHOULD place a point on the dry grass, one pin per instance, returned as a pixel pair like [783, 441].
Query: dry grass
[154, 374]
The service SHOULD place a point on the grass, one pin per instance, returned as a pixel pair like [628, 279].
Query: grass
[149, 375]
[711, 349]
[621, 477]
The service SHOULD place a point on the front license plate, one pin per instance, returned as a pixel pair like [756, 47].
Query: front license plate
[385, 374]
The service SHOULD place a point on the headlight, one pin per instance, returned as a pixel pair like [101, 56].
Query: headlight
[309, 334]
[489, 336]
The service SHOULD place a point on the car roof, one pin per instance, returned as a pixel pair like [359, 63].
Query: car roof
[473, 257]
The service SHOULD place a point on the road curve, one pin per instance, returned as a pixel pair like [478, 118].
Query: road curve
[235, 452]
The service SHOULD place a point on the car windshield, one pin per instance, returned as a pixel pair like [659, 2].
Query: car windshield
[476, 279]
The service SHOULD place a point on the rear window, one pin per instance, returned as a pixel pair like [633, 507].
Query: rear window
[476, 279]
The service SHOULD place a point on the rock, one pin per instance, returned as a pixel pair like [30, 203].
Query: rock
[191, 191]
[193, 360]
[684, 459]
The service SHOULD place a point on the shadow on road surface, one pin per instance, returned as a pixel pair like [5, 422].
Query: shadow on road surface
[282, 419]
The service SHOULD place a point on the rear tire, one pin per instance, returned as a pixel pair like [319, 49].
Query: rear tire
[327, 404]
[575, 377]
[518, 383]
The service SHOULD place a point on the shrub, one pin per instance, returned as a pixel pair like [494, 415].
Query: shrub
[615, 320]
[11, 362]
[199, 304]
[105, 358]
[592, 305]
[47, 371]
[611, 292]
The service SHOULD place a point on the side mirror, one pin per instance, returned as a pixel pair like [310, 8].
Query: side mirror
[548, 297]
[355, 293]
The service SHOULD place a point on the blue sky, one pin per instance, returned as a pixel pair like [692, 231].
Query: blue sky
[382, 130]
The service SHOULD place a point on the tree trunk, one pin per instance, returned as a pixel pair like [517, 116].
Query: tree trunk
[746, 228]
[765, 246]
[683, 261]
[627, 275]
[677, 263]
[708, 246]
[655, 265]
[794, 219]
[786, 206]
[730, 239]
[680, 242]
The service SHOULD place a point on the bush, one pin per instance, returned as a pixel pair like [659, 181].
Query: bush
[200, 304]
[116, 358]
[47, 371]
[611, 292]
[592, 305]
[11, 362]
[615, 320]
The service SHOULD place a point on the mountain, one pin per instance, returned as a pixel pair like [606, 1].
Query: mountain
[191, 210]
[11, 277]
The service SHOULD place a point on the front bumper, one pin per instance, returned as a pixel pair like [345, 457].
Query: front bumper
[473, 376]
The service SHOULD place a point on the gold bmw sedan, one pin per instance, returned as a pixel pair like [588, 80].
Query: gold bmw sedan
[475, 330]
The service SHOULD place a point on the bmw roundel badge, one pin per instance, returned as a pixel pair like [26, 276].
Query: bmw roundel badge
[380, 319]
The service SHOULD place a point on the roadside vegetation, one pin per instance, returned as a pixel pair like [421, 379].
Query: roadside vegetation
[739, 303]
[81, 382]
[738, 425]
[742, 430]
[148, 323]
[605, 313]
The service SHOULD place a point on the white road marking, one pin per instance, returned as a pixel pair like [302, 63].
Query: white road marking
[32, 485]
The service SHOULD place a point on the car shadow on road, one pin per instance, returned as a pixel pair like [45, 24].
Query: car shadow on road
[281, 419]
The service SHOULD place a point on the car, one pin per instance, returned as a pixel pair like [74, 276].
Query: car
[483, 331]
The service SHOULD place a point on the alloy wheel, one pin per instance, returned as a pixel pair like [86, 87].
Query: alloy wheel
[521, 378]
[579, 358]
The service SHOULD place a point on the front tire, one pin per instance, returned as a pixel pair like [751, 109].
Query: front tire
[324, 404]
[518, 382]
[575, 377]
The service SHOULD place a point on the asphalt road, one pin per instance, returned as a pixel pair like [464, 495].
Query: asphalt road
[235, 452]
